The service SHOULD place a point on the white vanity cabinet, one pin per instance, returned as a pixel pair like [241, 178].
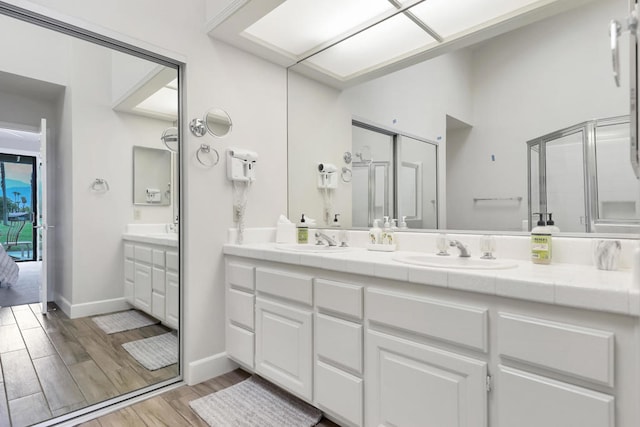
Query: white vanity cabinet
[338, 344]
[240, 320]
[411, 382]
[375, 351]
[531, 399]
[151, 281]
[284, 322]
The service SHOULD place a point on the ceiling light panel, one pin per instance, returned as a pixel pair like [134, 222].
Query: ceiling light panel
[386, 42]
[297, 26]
[450, 17]
[164, 101]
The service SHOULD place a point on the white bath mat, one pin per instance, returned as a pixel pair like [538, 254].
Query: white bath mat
[255, 403]
[154, 352]
[123, 321]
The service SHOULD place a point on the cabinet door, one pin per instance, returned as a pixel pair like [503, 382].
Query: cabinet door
[284, 346]
[142, 287]
[529, 400]
[410, 384]
[173, 300]
[129, 278]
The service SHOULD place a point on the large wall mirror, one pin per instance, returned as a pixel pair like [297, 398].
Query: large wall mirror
[474, 109]
[79, 108]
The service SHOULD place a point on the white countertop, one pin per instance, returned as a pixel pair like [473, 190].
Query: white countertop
[163, 239]
[572, 285]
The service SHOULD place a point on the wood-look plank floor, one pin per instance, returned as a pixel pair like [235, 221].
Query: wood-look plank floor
[52, 365]
[172, 408]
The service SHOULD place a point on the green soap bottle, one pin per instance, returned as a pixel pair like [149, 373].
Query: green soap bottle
[541, 243]
[303, 231]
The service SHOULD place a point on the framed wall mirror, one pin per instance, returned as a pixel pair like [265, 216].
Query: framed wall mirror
[152, 177]
[478, 105]
[87, 108]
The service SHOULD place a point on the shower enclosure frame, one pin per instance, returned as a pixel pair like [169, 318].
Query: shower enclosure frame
[590, 178]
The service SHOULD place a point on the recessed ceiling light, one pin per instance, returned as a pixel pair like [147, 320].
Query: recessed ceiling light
[297, 26]
[386, 42]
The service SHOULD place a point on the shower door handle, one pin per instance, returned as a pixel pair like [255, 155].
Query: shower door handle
[615, 29]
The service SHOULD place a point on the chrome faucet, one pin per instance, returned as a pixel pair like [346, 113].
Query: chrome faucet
[320, 236]
[464, 250]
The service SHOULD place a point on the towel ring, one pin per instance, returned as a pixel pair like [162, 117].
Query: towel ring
[206, 152]
[346, 174]
[100, 185]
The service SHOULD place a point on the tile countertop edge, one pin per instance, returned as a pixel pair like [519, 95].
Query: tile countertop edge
[556, 284]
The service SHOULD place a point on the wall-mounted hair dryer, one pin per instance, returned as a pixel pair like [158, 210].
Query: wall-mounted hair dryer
[241, 164]
[327, 175]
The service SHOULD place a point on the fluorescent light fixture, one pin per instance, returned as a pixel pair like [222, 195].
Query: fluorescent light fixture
[164, 101]
[297, 26]
[384, 43]
[450, 17]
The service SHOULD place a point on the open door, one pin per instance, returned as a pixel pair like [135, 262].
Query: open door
[41, 223]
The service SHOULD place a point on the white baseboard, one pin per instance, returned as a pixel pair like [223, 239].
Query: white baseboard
[63, 304]
[98, 307]
[207, 368]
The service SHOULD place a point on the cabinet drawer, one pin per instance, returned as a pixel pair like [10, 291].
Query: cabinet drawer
[528, 400]
[339, 298]
[569, 349]
[339, 393]
[128, 250]
[172, 260]
[143, 254]
[158, 258]
[240, 308]
[240, 276]
[292, 286]
[339, 341]
[459, 324]
[240, 345]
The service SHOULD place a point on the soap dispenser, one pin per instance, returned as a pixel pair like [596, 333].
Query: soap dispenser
[375, 232]
[552, 225]
[303, 231]
[541, 242]
[386, 229]
[403, 223]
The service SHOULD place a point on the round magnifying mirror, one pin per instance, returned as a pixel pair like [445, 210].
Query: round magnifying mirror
[217, 122]
[170, 138]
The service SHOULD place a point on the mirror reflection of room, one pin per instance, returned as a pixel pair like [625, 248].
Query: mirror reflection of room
[479, 105]
[77, 216]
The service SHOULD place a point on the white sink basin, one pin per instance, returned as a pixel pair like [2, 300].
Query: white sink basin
[455, 262]
[312, 249]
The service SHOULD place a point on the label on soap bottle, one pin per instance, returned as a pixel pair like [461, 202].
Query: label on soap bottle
[541, 248]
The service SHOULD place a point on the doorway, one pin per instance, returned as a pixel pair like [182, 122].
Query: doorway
[18, 212]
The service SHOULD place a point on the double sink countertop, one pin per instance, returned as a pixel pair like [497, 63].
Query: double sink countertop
[572, 285]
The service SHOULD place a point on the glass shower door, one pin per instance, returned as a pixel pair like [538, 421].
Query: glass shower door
[565, 181]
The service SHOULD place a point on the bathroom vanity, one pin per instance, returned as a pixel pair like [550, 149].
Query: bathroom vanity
[151, 279]
[372, 341]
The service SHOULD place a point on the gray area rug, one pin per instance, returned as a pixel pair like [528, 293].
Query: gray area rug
[255, 403]
[154, 352]
[123, 321]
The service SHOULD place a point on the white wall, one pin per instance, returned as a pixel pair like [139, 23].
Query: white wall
[254, 93]
[319, 132]
[528, 83]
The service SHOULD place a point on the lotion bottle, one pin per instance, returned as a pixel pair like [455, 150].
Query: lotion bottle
[375, 233]
[386, 229]
[541, 243]
[552, 225]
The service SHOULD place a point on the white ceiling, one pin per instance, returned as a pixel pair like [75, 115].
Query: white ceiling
[344, 42]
